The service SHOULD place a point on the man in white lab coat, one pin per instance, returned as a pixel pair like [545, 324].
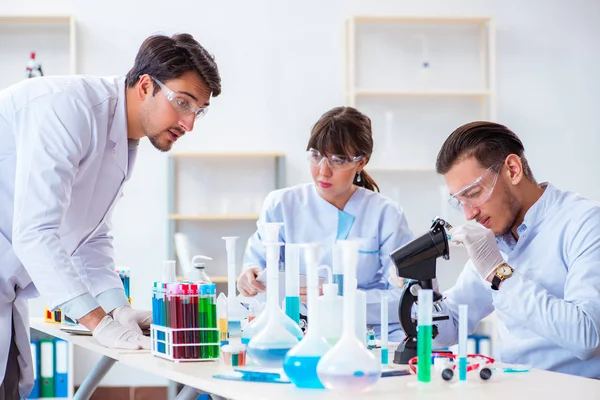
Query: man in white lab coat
[534, 255]
[67, 145]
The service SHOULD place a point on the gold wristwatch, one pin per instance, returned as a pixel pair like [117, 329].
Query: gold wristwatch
[503, 271]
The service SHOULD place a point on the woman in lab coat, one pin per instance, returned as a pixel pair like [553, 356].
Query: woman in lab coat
[67, 145]
[341, 203]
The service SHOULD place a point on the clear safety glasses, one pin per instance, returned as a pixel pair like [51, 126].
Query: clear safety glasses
[335, 162]
[182, 103]
[478, 192]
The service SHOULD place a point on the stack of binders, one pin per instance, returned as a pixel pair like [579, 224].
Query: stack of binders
[51, 368]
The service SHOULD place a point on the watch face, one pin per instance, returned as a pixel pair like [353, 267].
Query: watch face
[505, 270]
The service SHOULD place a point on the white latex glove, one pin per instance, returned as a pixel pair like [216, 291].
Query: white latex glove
[136, 320]
[394, 279]
[481, 246]
[247, 283]
[110, 333]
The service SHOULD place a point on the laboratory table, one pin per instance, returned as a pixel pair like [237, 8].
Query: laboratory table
[197, 377]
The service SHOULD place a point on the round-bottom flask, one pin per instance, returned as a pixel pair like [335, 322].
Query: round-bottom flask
[349, 366]
[270, 345]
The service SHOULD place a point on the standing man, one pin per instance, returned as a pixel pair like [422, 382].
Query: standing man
[545, 285]
[67, 145]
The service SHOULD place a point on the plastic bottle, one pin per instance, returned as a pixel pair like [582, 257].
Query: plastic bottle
[199, 270]
[331, 309]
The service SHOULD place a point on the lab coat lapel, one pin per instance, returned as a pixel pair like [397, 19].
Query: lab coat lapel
[118, 130]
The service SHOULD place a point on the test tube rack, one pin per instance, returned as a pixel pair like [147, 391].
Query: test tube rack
[185, 322]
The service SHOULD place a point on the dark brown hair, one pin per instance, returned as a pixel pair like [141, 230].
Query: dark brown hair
[488, 142]
[345, 131]
[166, 58]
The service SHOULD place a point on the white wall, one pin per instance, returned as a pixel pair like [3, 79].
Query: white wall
[282, 65]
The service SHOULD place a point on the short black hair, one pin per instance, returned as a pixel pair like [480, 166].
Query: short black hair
[166, 58]
[488, 142]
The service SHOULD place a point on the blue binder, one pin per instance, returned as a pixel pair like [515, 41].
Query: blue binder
[35, 356]
[61, 368]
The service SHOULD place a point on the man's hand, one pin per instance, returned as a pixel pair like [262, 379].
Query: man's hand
[136, 320]
[247, 283]
[111, 334]
[481, 246]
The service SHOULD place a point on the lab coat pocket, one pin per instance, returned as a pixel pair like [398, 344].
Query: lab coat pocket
[368, 261]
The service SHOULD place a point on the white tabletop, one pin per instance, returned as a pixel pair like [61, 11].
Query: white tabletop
[542, 384]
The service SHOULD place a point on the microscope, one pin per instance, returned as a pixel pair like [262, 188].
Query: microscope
[416, 261]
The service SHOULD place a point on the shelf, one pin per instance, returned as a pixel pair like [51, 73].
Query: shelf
[424, 93]
[214, 279]
[421, 19]
[205, 154]
[21, 19]
[400, 169]
[213, 217]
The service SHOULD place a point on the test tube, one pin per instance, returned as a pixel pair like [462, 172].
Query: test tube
[292, 292]
[193, 312]
[184, 307]
[203, 319]
[222, 318]
[338, 269]
[212, 322]
[424, 335]
[230, 247]
[384, 330]
[463, 329]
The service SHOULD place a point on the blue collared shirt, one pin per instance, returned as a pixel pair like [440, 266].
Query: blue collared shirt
[548, 312]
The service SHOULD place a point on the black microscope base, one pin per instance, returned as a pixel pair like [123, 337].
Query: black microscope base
[403, 354]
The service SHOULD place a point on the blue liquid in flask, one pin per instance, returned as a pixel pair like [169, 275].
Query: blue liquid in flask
[292, 308]
[302, 371]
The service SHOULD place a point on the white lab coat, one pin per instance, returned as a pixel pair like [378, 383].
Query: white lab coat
[63, 160]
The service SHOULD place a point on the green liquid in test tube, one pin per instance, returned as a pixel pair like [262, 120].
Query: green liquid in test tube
[213, 334]
[203, 310]
[424, 335]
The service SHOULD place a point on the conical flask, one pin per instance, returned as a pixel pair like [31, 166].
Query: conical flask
[300, 364]
[270, 345]
[259, 322]
[349, 365]
[236, 312]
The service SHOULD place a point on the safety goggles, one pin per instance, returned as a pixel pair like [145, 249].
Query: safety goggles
[182, 103]
[335, 162]
[478, 192]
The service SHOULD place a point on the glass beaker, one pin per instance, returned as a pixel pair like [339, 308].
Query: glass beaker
[349, 365]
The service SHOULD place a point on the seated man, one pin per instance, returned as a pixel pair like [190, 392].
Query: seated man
[546, 288]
